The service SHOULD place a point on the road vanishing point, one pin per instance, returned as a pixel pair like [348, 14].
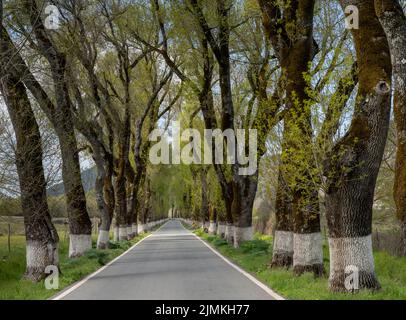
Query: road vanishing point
[170, 264]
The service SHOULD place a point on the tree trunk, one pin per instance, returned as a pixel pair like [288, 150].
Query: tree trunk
[204, 209]
[129, 188]
[282, 255]
[244, 196]
[80, 227]
[393, 21]
[307, 246]
[351, 176]
[101, 158]
[61, 119]
[145, 210]
[295, 47]
[104, 229]
[121, 181]
[213, 220]
[121, 202]
[108, 188]
[41, 235]
[135, 204]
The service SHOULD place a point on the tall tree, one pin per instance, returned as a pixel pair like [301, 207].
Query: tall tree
[393, 21]
[239, 191]
[59, 113]
[353, 166]
[41, 235]
[289, 26]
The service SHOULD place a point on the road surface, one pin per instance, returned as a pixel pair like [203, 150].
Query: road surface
[171, 264]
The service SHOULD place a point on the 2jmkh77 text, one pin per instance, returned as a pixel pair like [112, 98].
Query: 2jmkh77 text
[203, 310]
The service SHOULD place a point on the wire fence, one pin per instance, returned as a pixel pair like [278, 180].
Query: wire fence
[12, 229]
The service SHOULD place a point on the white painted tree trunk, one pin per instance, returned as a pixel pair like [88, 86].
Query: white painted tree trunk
[103, 239]
[79, 244]
[229, 233]
[122, 233]
[242, 234]
[135, 229]
[308, 253]
[129, 232]
[212, 227]
[282, 248]
[39, 256]
[221, 229]
[116, 233]
[142, 228]
[351, 259]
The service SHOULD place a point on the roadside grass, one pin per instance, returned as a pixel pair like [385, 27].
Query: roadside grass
[12, 267]
[255, 257]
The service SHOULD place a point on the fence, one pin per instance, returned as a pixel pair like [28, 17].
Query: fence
[12, 227]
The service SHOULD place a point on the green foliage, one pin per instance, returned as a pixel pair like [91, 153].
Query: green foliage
[100, 256]
[123, 245]
[219, 242]
[255, 247]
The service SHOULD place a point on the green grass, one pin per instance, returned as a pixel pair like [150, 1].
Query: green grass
[12, 267]
[255, 257]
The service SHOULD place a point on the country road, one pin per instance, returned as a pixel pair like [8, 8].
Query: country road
[170, 264]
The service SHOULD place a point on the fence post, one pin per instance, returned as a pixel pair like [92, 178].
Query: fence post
[9, 238]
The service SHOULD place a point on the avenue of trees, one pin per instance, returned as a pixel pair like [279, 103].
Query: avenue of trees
[325, 95]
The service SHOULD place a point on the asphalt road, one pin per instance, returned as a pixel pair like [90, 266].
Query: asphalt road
[170, 264]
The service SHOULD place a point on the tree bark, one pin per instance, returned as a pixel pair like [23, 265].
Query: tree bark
[295, 48]
[204, 209]
[79, 222]
[41, 236]
[102, 206]
[352, 169]
[393, 21]
[282, 255]
[121, 190]
[244, 195]
[212, 219]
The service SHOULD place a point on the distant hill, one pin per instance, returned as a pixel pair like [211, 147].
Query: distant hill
[88, 180]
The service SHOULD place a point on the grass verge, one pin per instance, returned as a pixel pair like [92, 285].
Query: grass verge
[255, 256]
[12, 267]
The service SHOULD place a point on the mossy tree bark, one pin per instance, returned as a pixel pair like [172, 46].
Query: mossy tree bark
[353, 167]
[289, 27]
[393, 21]
[282, 255]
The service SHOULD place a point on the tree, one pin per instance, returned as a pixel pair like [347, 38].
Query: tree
[59, 114]
[41, 236]
[393, 21]
[353, 165]
[289, 27]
